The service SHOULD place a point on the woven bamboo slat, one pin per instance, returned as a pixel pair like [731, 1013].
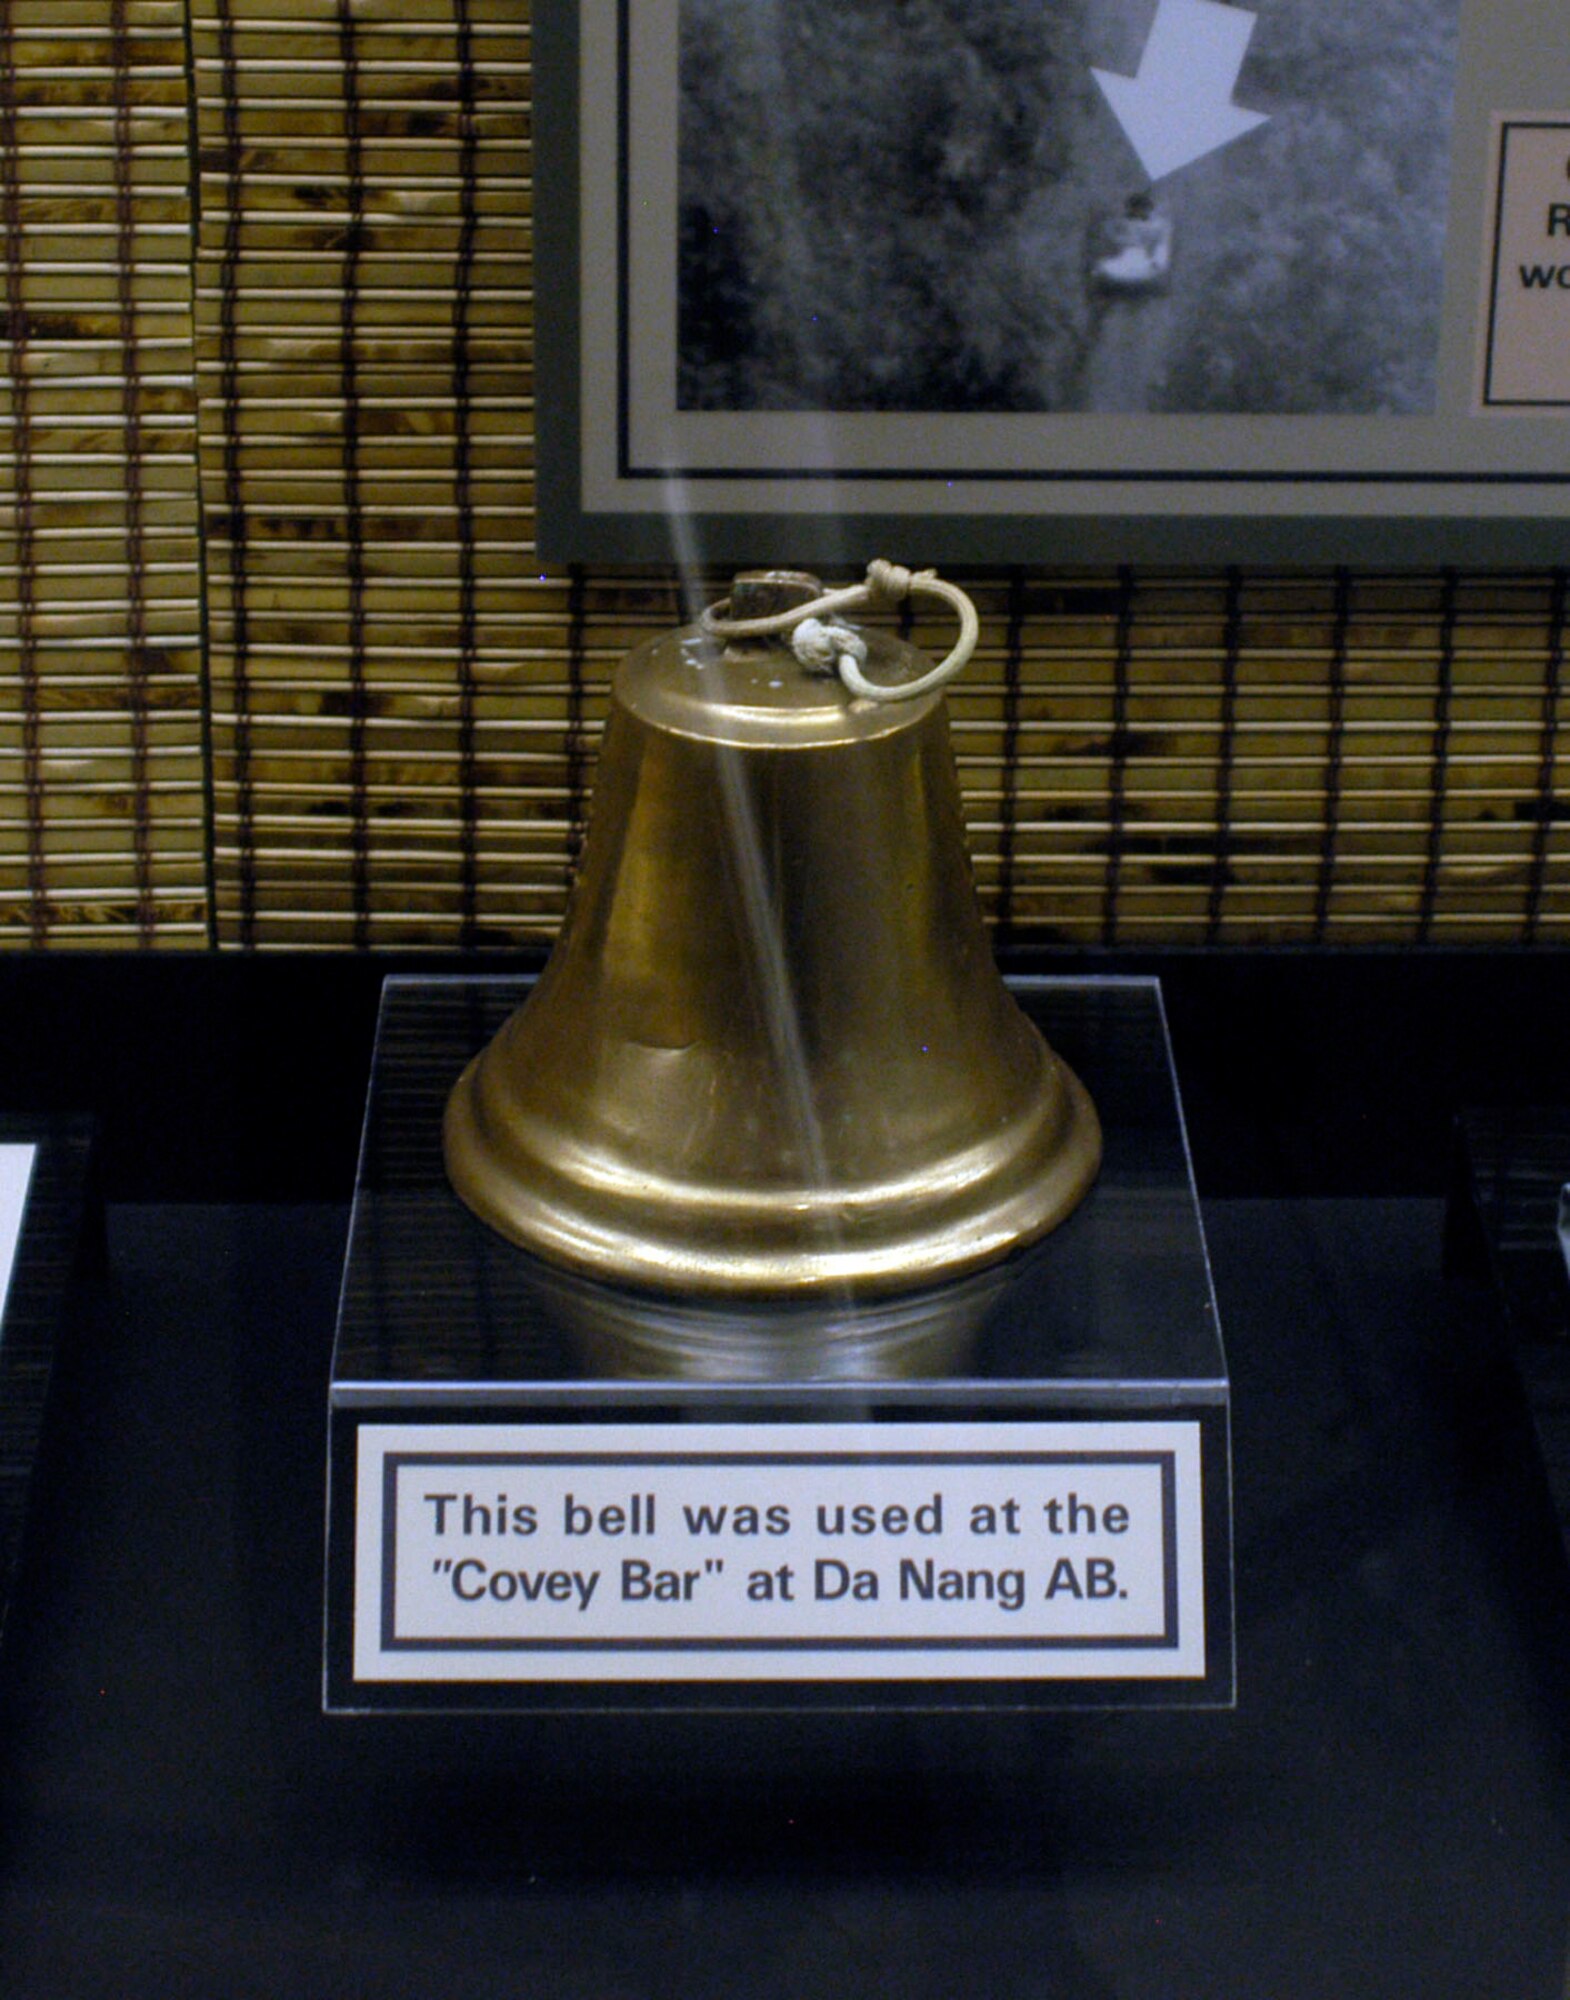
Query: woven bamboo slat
[374, 252]
[102, 802]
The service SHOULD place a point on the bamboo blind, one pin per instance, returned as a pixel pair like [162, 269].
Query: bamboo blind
[101, 775]
[398, 693]
[403, 707]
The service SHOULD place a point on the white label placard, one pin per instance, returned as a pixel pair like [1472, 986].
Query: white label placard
[16, 1174]
[841, 1552]
[1526, 364]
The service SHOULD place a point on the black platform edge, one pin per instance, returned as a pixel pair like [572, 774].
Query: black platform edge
[1501, 1237]
[61, 1243]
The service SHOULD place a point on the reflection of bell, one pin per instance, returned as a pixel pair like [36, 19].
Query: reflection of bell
[771, 1054]
[634, 1335]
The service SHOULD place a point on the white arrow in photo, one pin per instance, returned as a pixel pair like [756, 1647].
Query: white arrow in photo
[1179, 107]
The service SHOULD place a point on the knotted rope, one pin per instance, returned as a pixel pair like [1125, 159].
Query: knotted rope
[825, 644]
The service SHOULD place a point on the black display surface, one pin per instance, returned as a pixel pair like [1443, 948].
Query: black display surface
[1384, 1813]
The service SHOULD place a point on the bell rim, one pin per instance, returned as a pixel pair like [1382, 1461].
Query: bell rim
[622, 1242]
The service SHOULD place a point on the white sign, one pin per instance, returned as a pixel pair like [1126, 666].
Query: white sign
[1526, 358]
[632, 1552]
[16, 1173]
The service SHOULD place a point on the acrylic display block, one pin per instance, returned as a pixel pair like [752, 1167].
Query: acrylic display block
[1009, 1491]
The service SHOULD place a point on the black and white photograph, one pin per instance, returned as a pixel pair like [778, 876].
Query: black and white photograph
[996, 206]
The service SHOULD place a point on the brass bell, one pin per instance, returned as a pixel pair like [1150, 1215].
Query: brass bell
[771, 1054]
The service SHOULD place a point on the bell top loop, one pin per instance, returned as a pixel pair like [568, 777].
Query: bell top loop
[886, 583]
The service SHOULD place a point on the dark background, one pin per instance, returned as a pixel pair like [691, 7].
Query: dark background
[242, 1078]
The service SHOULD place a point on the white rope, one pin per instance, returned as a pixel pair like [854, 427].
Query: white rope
[820, 645]
[823, 643]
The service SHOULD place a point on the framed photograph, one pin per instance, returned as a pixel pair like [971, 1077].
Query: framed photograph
[1053, 280]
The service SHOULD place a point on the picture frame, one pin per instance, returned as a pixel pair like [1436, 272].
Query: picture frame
[1332, 431]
